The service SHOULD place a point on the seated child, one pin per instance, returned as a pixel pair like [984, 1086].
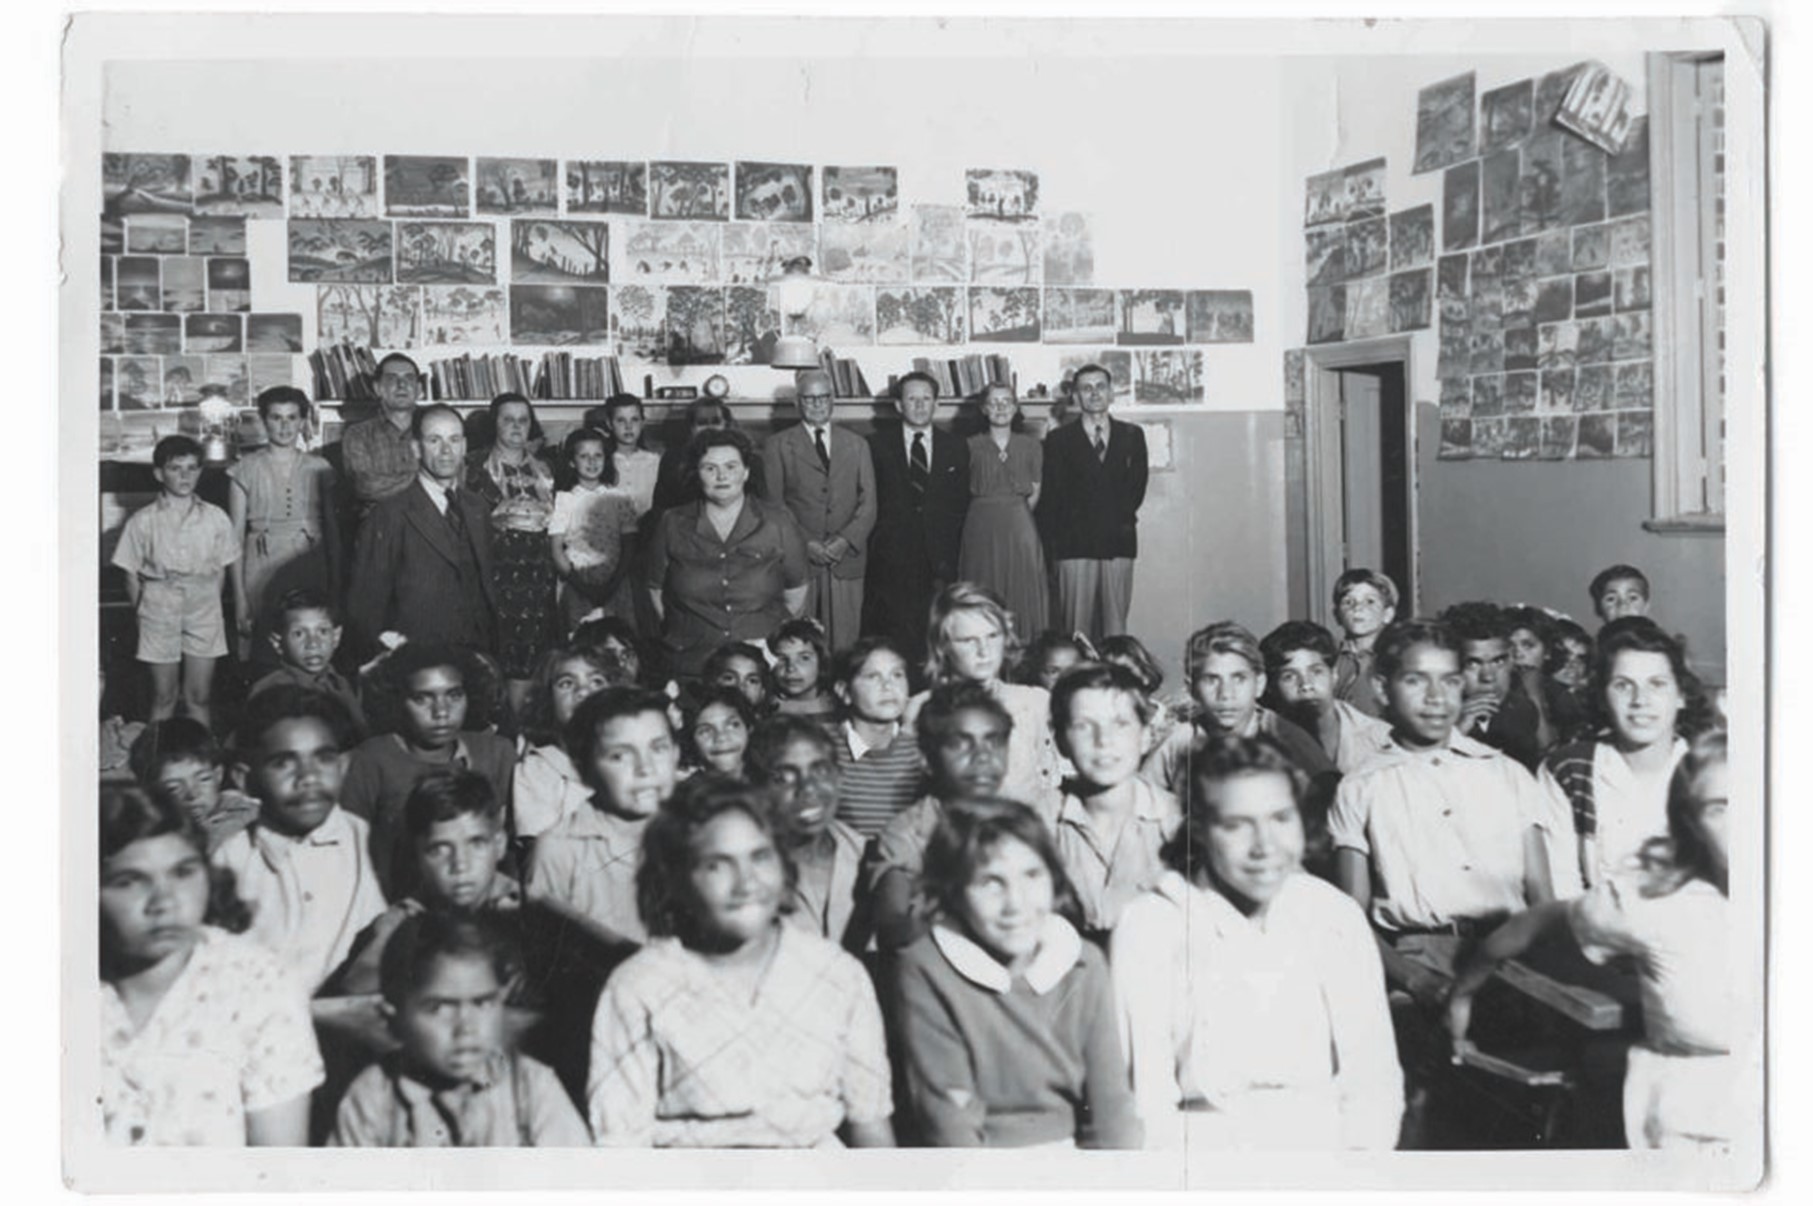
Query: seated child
[1299, 671]
[115, 740]
[801, 658]
[175, 553]
[879, 761]
[1570, 661]
[1493, 709]
[306, 638]
[304, 866]
[205, 1038]
[741, 667]
[1558, 712]
[794, 758]
[1112, 823]
[429, 703]
[718, 724]
[622, 743]
[546, 788]
[1618, 591]
[730, 1029]
[963, 735]
[1253, 993]
[1050, 654]
[1674, 921]
[1128, 652]
[1008, 1023]
[599, 633]
[454, 1082]
[1365, 602]
[180, 760]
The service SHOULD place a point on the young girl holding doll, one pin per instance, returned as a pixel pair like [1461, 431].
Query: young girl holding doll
[1007, 1016]
[730, 1029]
[592, 532]
[205, 1038]
[281, 507]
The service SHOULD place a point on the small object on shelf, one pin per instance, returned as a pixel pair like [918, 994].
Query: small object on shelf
[677, 392]
[717, 386]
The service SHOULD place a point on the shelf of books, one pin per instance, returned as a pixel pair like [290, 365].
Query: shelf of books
[345, 372]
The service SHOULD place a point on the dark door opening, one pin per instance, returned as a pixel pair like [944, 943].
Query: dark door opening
[1374, 499]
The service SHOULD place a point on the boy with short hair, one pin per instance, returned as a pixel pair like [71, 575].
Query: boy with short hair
[306, 638]
[302, 867]
[1365, 602]
[1300, 672]
[1618, 591]
[455, 1082]
[175, 553]
[797, 761]
[179, 759]
[1494, 708]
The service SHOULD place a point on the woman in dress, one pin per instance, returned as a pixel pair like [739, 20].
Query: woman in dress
[281, 505]
[1001, 547]
[520, 489]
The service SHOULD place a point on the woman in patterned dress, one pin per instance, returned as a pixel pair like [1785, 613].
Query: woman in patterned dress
[520, 489]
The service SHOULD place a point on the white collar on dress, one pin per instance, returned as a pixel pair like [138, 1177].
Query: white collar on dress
[1060, 947]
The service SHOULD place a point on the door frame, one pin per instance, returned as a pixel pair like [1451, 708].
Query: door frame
[1324, 548]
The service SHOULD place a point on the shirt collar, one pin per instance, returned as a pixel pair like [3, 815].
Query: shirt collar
[907, 434]
[1457, 743]
[859, 747]
[334, 829]
[418, 1093]
[437, 493]
[594, 823]
[462, 753]
[1060, 948]
[1146, 806]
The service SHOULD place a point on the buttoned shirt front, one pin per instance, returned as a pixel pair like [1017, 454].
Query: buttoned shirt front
[380, 458]
[175, 539]
[1107, 878]
[717, 589]
[514, 1101]
[586, 865]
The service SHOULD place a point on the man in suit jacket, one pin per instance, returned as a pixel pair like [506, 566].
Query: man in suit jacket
[1095, 482]
[826, 477]
[422, 561]
[921, 497]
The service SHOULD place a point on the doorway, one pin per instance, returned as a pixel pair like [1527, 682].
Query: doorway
[1359, 429]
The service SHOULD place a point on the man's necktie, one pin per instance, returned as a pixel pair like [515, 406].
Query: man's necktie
[824, 453]
[919, 469]
[1101, 446]
[456, 518]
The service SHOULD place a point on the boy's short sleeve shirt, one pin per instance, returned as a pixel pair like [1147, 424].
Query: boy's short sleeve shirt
[516, 1102]
[168, 539]
[586, 864]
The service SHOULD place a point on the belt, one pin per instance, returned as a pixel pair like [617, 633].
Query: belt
[1458, 927]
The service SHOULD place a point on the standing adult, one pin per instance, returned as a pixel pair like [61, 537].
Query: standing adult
[380, 451]
[422, 563]
[1000, 541]
[727, 567]
[518, 488]
[1095, 483]
[921, 497]
[825, 476]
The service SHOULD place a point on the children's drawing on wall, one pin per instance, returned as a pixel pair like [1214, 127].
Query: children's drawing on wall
[183, 376]
[1555, 391]
[139, 382]
[548, 252]
[1327, 314]
[157, 334]
[113, 334]
[376, 316]
[774, 192]
[106, 383]
[753, 253]
[639, 320]
[248, 185]
[1554, 299]
[1598, 436]
[865, 253]
[157, 234]
[1368, 308]
[1596, 341]
[1366, 253]
[1486, 351]
[427, 186]
[185, 283]
[1554, 252]
[229, 283]
[1118, 362]
[1325, 198]
[1296, 391]
[1558, 435]
[464, 314]
[145, 184]
[1457, 440]
[1556, 345]
[559, 314]
[930, 314]
[1412, 237]
[1363, 190]
[860, 194]
[226, 377]
[1523, 438]
[607, 186]
[1636, 434]
[341, 250]
[262, 372]
[1630, 287]
[940, 244]
[113, 234]
[214, 333]
[1520, 393]
[274, 333]
[1080, 316]
[1168, 378]
[1592, 294]
[1594, 385]
[1456, 397]
[1003, 255]
[1539, 187]
[1444, 123]
[689, 190]
[523, 187]
[1151, 316]
[1597, 107]
[1582, 182]
[1004, 315]
[1069, 250]
[1505, 115]
[1220, 315]
[1003, 194]
[1520, 348]
[752, 325]
[1325, 255]
[333, 186]
[1627, 173]
[1628, 240]
[1501, 208]
[1592, 248]
[446, 253]
[671, 252]
[1410, 300]
[1630, 337]
[217, 236]
[695, 325]
[838, 316]
[1488, 395]
[135, 283]
[1460, 206]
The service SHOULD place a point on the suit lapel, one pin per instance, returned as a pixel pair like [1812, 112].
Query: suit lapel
[427, 520]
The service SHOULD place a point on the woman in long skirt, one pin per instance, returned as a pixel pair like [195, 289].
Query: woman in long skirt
[1001, 547]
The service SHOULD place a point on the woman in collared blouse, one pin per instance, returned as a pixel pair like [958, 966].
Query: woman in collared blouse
[727, 567]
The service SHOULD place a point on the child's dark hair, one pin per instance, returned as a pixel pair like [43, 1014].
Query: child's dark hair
[1093, 676]
[943, 704]
[916, 375]
[567, 472]
[177, 739]
[1292, 636]
[717, 437]
[1360, 576]
[1478, 621]
[664, 880]
[279, 394]
[695, 706]
[1130, 652]
[851, 661]
[173, 446]
[1616, 573]
[131, 814]
[597, 710]
[1032, 661]
[1688, 853]
[1537, 622]
[812, 633]
[423, 938]
[596, 633]
[286, 701]
[447, 796]
[1399, 638]
[729, 651]
[306, 598]
[1221, 637]
[769, 740]
[536, 723]
[967, 834]
[1561, 631]
[617, 402]
[390, 685]
[1212, 762]
[1640, 634]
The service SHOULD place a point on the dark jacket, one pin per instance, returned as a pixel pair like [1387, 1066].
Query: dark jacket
[410, 576]
[1089, 508]
[913, 547]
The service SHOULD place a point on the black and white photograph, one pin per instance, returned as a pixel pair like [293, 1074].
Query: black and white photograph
[341, 250]
[215, 235]
[607, 186]
[1325, 255]
[1080, 316]
[274, 333]
[1368, 245]
[923, 314]
[185, 283]
[1444, 123]
[1327, 313]
[207, 333]
[1219, 315]
[528, 188]
[559, 314]
[145, 182]
[377, 316]
[693, 191]
[774, 192]
[754, 253]
[229, 283]
[159, 334]
[1505, 115]
[1363, 190]
[333, 186]
[446, 253]
[1003, 315]
[546, 252]
[249, 186]
[477, 315]
[1460, 206]
[427, 186]
[157, 234]
[859, 194]
[1001, 194]
[870, 253]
